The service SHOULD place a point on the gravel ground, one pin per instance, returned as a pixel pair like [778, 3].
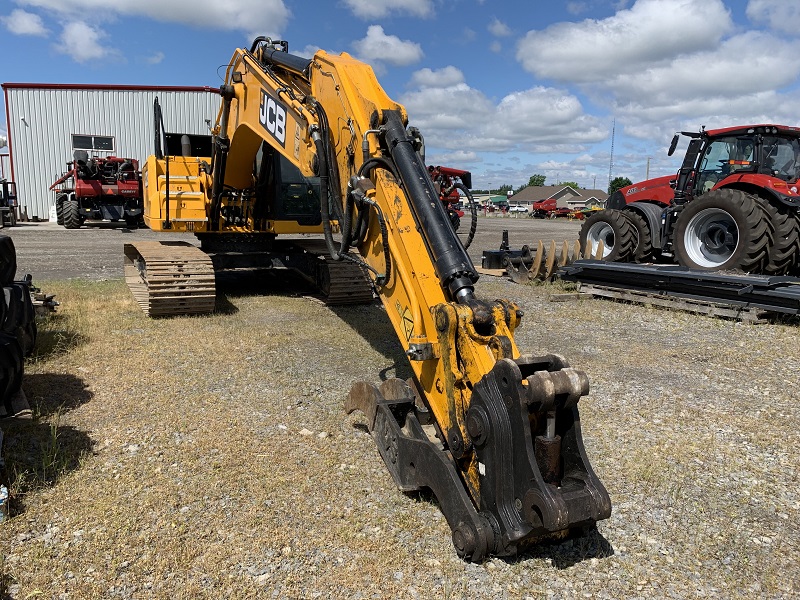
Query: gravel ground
[210, 457]
[48, 251]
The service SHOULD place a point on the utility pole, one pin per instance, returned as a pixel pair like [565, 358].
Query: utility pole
[611, 160]
[647, 171]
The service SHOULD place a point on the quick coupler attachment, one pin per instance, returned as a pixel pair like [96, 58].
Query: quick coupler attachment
[535, 481]
[535, 477]
[417, 463]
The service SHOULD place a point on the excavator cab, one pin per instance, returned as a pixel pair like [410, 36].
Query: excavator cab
[284, 191]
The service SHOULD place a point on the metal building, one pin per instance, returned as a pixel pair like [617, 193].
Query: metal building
[47, 122]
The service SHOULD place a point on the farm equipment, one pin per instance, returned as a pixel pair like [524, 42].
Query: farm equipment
[454, 186]
[549, 209]
[98, 189]
[316, 146]
[733, 205]
[540, 263]
[8, 203]
[17, 325]
[541, 209]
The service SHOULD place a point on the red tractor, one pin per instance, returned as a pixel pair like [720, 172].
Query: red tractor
[453, 186]
[107, 188]
[733, 205]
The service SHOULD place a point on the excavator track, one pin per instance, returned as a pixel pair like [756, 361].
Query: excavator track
[344, 282]
[177, 278]
[170, 278]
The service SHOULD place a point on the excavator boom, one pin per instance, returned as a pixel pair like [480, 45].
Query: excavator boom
[508, 463]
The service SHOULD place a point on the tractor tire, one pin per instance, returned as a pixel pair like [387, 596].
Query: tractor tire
[784, 253]
[616, 232]
[19, 319]
[643, 248]
[72, 219]
[11, 370]
[723, 229]
[60, 208]
[8, 260]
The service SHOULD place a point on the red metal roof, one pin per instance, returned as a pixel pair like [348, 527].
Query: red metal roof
[85, 86]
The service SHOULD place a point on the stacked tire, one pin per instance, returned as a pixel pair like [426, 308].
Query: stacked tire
[17, 324]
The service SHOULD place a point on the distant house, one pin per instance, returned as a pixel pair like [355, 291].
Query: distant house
[564, 195]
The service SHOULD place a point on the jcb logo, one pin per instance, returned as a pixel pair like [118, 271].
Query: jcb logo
[273, 117]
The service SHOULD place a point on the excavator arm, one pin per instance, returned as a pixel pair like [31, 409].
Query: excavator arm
[495, 434]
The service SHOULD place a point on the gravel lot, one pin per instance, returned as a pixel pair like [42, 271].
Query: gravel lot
[49, 251]
[210, 457]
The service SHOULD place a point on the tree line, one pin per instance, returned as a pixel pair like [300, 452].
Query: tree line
[537, 180]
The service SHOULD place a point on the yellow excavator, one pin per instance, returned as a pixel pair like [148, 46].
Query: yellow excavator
[315, 146]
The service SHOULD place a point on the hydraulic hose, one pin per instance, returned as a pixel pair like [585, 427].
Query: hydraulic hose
[473, 209]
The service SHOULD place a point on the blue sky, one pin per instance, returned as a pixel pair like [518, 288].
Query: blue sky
[504, 89]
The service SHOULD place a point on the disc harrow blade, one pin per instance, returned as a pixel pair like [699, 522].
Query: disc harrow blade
[544, 262]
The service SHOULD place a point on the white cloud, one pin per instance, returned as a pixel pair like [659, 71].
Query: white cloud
[650, 33]
[727, 90]
[458, 116]
[266, 17]
[21, 22]
[576, 8]
[83, 42]
[780, 15]
[308, 52]
[376, 9]
[496, 47]
[498, 29]
[155, 59]
[718, 73]
[437, 78]
[655, 82]
[382, 48]
[450, 159]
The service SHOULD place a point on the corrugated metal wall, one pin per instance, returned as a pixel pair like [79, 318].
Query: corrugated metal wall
[41, 122]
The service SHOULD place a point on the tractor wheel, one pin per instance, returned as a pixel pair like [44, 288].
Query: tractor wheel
[784, 253]
[723, 229]
[72, 220]
[8, 260]
[614, 229]
[11, 370]
[60, 208]
[643, 248]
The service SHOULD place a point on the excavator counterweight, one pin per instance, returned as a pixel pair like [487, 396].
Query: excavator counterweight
[315, 146]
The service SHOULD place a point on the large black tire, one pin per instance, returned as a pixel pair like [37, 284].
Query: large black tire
[616, 232]
[723, 229]
[8, 260]
[60, 208]
[19, 319]
[11, 370]
[643, 248]
[784, 253]
[72, 219]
